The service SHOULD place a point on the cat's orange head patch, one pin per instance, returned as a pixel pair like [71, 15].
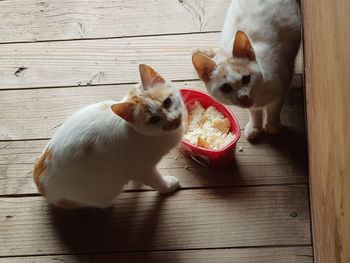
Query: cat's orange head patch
[154, 106]
[232, 78]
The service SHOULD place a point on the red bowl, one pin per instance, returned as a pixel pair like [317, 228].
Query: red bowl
[204, 156]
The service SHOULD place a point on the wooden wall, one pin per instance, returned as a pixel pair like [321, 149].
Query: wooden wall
[327, 71]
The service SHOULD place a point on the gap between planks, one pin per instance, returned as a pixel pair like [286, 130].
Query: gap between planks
[272, 160]
[42, 111]
[96, 19]
[109, 38]
[210, 218]
[101, 61]
[268, 161]
[276, 254]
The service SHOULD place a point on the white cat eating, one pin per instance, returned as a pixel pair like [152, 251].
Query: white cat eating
[101, 147]
[255, 63]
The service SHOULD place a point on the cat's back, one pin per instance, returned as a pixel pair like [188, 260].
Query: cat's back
[90, 125]
[262, 20]
[77, 151]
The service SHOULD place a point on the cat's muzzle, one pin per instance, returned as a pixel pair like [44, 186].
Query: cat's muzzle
[174, 124]
[245, 101]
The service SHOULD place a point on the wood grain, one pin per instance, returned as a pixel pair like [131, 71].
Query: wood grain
[81, 19]
[249, 255]
[106, 61]
[327, 63]
[255, 211]
[253, 216]
[273, 160]
[38, 113]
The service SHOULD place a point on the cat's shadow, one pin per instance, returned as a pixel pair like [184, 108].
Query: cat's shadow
[212, 178]
[131, 225]
[291, 143]
[290, 146]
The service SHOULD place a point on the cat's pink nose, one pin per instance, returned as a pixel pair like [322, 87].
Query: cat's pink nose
[244, 101]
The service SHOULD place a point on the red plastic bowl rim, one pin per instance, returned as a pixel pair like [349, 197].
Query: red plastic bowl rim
[237, 132]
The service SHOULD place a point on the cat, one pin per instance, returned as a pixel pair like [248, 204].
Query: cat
[254, 65]
[104, 145]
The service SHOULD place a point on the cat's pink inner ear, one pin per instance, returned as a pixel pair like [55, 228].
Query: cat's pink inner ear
[204, 66]
[242, 47]
[125, 110]
[149, 77]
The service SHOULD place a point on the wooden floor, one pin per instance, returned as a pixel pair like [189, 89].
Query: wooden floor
[57, 56]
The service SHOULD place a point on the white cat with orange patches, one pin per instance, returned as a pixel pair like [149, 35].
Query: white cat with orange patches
[255, 63]
[101, 147]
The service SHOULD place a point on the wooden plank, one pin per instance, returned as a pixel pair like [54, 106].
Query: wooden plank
[273, 160]
[80, 19]
[107, 61]
[190, 219]
[247, 255]
[327, 57]
[37, 113]
[280, 160]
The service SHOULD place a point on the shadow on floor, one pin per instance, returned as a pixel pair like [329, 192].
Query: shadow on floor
[254, 166]
[291, 143]
[91, 230]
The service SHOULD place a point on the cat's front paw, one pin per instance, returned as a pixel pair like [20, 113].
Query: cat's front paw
[172, 183]
[251, 132]
[273, 128]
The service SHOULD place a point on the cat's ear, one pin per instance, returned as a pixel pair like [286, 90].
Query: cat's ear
[204, 66]
[242, 47]
[149, 77]
[125, 110]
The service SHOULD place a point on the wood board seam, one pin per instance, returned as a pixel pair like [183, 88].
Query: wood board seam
[108, 38]
[161, 250]
[192, 188]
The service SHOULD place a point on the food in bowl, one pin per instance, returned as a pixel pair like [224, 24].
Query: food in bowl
[208, 128]
[205, 156]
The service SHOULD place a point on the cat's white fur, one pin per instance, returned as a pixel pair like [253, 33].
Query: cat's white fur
[95, 153]
[273, 29]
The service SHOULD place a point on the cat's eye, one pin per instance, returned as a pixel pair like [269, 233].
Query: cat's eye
[154, 120]
[246, 79]
[226, 88]
[167, 103]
